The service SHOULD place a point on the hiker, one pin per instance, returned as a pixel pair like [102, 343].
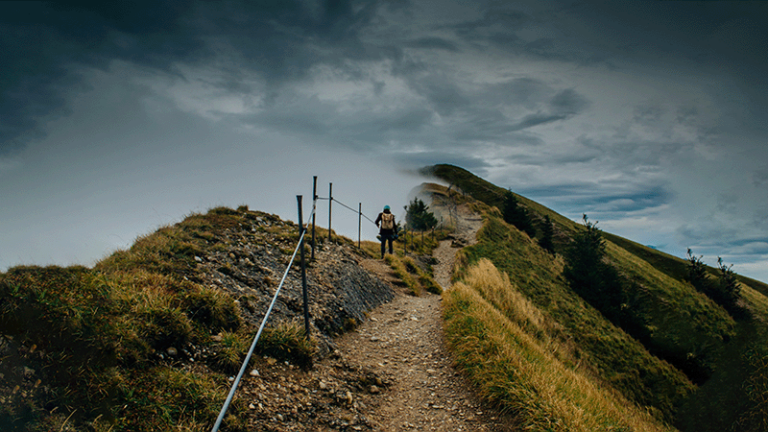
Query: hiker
[387, 229]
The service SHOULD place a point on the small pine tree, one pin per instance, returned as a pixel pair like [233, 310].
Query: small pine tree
[594, 280]
[697, 273]
[724, 291]
[418, 216]
[517, 215]
[600, 284]
[547, 233]
[728, 286]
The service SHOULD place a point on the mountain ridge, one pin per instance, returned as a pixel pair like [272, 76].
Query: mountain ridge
[148, 337]
[671, 320]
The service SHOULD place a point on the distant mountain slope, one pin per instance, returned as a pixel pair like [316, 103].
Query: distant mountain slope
[492, 195]
[688, 360]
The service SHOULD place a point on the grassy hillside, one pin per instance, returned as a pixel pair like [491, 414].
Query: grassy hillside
[522, 360]
[689, 363]
[143, 340]
[492, 195]
[148, 338]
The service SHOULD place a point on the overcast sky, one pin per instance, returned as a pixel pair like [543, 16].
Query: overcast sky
[117, 118]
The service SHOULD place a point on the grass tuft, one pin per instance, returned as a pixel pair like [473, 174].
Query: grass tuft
[287, 341]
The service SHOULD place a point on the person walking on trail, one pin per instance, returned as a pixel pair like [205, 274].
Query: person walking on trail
[385, 221]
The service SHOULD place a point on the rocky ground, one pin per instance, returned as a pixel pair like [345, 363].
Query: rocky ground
[392, 373]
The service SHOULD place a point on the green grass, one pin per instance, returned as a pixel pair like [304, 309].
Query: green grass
[412, 276]
[510, 351]
[681, 325]
[672, 266]
[96, 338]
[611, 354]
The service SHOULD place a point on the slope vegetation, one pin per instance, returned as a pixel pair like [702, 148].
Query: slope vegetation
[686, 361]
[148, 338]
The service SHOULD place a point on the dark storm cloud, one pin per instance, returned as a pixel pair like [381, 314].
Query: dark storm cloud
[488, 113]
[433, 43]
[535, 120]
[411, 120]
[498, 24]
[41, 43]
[315, 120]
[568, 102]
[590, 197]
[444, 95]
[476, 165]
[563, 105]
[44, 45]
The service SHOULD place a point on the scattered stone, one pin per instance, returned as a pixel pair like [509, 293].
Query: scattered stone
[173, 352]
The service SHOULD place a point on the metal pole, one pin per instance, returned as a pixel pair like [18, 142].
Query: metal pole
[359, 222]
[330, 201]
[303, 269]
[314, 205]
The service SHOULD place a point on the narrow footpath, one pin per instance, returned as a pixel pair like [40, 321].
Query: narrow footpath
[404, 341]
[392, 373]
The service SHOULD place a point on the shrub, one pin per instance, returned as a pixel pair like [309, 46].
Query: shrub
[287, 341]
[547, 234]
[230, 351]
[589, 275]
[418, 216]
[213, 309]
[517, 215]
[725, 291]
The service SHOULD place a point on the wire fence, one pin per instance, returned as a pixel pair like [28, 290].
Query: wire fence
[299, 247]
[356, 211]
[240, 374]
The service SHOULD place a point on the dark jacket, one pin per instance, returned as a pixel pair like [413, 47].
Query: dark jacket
[383, 231]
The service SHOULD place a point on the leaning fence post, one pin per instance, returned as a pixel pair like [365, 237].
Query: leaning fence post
[330, 201]
[314, 214]
[359, 222]
[303, 269]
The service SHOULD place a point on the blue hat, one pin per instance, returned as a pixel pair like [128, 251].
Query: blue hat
[386, 207]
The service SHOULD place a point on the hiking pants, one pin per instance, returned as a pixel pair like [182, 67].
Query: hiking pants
[384, 239]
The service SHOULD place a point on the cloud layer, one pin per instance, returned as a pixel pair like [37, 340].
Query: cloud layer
[648, 116]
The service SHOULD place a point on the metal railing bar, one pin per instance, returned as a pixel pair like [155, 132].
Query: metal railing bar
[240, 374]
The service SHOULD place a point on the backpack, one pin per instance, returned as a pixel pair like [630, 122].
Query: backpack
[387, 221]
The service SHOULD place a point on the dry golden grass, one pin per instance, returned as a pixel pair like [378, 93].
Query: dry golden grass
[518, 370]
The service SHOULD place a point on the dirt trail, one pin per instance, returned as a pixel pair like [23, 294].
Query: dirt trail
[392, 373]
[403, 340]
